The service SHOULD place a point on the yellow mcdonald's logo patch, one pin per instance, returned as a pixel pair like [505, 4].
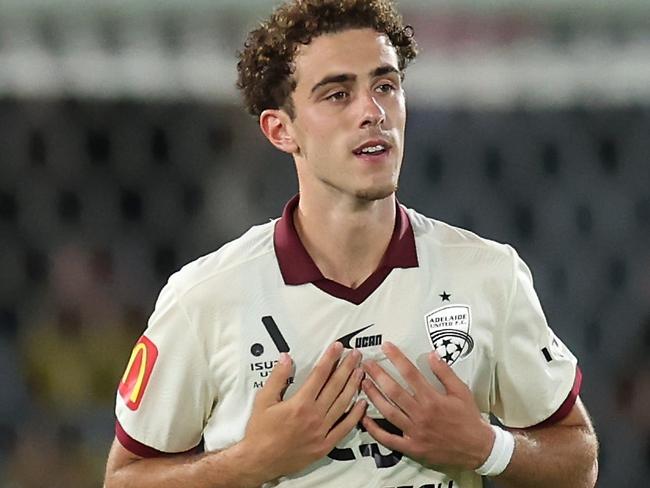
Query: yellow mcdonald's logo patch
[138, 371]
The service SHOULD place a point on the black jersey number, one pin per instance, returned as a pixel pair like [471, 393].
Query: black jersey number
[370, 450]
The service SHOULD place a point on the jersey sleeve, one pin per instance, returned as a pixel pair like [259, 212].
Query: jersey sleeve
[164, 400]
[536, 379]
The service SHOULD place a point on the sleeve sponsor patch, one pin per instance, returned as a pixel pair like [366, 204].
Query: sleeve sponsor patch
[135, 378]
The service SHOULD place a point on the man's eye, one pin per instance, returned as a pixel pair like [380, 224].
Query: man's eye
[385, 88]
[339, 95]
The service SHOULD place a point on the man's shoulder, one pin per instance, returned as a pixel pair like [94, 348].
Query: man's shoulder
[433, 233]
[234, 257]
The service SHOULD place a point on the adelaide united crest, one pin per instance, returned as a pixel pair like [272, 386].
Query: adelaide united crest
[448, 329]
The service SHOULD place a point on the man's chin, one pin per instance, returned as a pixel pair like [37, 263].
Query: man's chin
[374, 194]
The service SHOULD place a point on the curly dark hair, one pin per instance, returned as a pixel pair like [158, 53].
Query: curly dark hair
[266, 66]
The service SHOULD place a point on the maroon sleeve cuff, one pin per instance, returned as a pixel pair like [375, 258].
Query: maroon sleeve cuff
[566, 406]
[142, 450]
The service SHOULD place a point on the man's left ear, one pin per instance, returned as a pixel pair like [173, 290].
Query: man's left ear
[276, 126]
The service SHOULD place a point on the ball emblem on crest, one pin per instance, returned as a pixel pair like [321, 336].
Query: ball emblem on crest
[449, 332]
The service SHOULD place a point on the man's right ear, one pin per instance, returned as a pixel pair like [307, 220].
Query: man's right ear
[275, 125]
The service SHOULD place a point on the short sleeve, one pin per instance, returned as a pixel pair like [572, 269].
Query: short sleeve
[163, 400]
[536, 377]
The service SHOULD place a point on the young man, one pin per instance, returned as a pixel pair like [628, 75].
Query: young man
[259, 350]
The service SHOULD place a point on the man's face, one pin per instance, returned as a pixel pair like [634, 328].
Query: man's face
[349, 115]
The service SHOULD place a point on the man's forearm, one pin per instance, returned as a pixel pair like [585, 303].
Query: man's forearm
[559, 456]
[230, 468]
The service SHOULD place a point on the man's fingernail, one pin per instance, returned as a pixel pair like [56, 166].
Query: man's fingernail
[284, 358]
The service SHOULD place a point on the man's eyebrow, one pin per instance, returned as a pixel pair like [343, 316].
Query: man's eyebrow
[342, 78]
[384, 70]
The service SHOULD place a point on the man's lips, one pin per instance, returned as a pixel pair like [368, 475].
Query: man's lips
[372, 147]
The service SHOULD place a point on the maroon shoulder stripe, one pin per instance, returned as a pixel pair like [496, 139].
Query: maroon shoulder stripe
[567, 405]
[142, 450]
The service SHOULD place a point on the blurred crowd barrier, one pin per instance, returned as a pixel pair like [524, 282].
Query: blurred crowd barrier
[101, 201]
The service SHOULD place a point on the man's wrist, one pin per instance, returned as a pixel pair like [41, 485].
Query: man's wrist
[500, 454]
[237, 466]
[253, 471]
[482, 447]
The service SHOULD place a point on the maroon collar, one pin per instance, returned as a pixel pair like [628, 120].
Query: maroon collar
[298, 268]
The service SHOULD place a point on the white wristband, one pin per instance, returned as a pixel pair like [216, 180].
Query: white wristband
[502, 449]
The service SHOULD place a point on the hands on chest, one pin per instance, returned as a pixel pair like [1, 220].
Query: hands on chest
[288, 435]
[439, 428]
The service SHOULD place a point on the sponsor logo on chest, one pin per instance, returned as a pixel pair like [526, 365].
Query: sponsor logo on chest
[355, 340]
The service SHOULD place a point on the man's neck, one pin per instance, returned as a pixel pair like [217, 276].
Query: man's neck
[346, 239]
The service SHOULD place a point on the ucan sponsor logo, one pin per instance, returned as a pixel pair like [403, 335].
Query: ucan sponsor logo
[135, 379]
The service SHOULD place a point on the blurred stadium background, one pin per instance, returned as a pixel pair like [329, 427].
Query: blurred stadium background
[124, 153]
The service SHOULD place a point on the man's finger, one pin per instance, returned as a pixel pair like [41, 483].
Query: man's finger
[338, 380]
[340, 404]
[390, 412]
[348, 423]
[406, 368]
[276, 383]
[391, 389]
[452, 383]
[321, 372]
[391, 441]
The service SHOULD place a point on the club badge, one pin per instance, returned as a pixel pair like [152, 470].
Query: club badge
[448, 328]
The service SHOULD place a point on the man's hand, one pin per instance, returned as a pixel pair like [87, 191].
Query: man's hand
[287, 436]
[438, 428]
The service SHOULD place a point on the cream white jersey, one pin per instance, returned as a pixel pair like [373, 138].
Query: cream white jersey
[221, 321]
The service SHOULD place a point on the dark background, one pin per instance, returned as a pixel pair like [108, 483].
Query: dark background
[105, 191]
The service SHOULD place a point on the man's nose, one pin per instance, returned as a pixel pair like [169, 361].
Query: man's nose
[373, 113]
